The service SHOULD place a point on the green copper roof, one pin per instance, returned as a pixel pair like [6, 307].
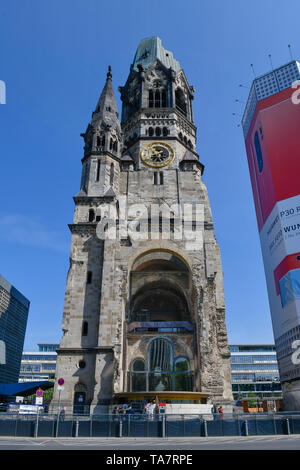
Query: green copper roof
[149, 50]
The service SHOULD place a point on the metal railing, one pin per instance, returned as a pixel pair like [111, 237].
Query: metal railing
[140, 425]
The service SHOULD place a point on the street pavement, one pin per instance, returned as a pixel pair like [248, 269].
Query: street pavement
[291, 442]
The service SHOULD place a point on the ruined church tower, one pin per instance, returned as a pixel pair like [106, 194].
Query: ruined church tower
[144, 310]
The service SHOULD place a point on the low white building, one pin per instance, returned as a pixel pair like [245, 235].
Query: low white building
[39, 365]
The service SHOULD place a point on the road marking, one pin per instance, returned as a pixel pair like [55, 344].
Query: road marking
[182, 444]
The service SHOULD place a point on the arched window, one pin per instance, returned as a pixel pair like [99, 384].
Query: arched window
[98, 170]
[182, 374]
[151, 131]
[99, 141]
[159, 175]
[80, 406]
[163, 373]
[157, 131]
[182, 364]
[180, 101]
[85, 327]
[138, 375]
[111, 175]
[138, 365]
[160, 365]
[151, 101]
[165, 131]
[91, 215]
[157, 98]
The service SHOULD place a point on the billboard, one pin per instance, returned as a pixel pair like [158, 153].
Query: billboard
[273, 151]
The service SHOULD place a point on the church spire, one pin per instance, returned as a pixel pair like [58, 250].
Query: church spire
[106, 109]
[103, 134]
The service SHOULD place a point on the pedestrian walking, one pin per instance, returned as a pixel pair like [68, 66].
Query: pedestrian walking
[148, 410]
[130, 411]
[215, 411]
[152, 408]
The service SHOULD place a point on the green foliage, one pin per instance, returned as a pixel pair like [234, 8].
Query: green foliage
[47, 397]
[251, 403]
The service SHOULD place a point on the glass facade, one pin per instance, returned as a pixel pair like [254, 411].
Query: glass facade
[252, 348]
[14, 309]
[37, 357]
[254, 370]
[48, 347]
[39, 365]
[254, 367]
[253, 359]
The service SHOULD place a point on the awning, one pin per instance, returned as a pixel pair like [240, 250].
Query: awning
[23, 389]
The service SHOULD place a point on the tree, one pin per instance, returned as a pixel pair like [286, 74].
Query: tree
[48, 395]
[251, 403]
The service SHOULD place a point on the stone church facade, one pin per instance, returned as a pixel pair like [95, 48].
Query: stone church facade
[144, 304]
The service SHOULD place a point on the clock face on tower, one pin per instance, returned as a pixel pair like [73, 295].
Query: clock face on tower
[157, 154]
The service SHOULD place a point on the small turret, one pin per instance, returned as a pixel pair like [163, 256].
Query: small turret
[103, 144]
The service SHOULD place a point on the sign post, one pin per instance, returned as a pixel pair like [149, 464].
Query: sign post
[38, 401]
[60, 388]
[39, 397]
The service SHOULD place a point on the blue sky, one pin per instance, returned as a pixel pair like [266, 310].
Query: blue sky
[53, 59]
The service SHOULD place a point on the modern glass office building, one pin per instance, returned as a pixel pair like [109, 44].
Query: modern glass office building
[39, 365]
[14, 309]
[254, 372]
